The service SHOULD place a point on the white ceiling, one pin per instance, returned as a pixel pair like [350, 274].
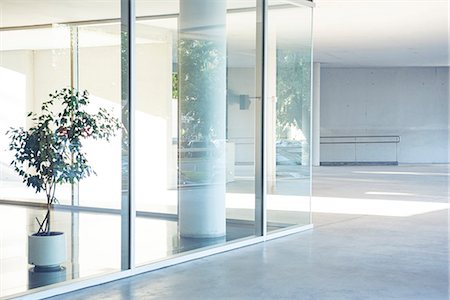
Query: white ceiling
[381, 32]
[346, 32]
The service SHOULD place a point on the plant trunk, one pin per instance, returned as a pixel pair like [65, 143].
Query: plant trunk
[48, 217]
[49, 206]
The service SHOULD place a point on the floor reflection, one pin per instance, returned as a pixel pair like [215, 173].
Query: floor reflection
[93, 235]
[92, 247]
[93, 242]
[41, 277]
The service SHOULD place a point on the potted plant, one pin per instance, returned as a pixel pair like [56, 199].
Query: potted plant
[50, 153]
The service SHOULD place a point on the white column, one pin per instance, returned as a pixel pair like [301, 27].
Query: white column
[316, 115]
[202, 109]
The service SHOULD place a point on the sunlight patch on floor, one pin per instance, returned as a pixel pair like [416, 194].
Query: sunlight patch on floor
[389, 194]
[402, 173]
[376, 207]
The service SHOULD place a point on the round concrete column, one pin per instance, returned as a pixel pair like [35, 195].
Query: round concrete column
[202, 109]
[316, 115]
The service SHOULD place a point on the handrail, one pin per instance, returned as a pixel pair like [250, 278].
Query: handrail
[360, 139]
[354, 139]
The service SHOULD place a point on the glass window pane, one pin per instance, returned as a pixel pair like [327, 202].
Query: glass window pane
[40, 54]
[194, 125]
[99, 74]
[33, 64]
[289, 115]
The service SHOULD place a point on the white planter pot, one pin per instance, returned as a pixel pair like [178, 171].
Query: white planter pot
[47, 251]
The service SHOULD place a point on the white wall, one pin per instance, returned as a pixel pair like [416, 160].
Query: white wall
[100, 75]
[16, 78]
[409, 102]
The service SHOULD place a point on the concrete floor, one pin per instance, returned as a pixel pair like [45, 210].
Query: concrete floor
[347, 256]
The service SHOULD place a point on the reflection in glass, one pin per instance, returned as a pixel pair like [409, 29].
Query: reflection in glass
[99, 73]
[202, 103]
[97, 252]
[289, 110]
[194, 148]
[25, 66]
[34, 62]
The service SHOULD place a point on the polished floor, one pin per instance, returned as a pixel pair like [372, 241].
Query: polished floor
[380, 233]
[92, 232]
[92, 243]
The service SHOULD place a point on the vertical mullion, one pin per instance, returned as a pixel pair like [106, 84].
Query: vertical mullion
[75, 199]
[260, 141]
[74, 70]
[313, 116]
[74, 84]
[128, 211]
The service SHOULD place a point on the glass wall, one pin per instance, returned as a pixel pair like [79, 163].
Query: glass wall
[41, 53]
[289, 115]
[195, 87]
[196, 140]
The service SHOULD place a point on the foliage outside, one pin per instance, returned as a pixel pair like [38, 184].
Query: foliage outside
[202, 97]
[293, 90]
[201, 63]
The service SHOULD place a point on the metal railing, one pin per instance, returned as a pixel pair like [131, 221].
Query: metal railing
[360, 139]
